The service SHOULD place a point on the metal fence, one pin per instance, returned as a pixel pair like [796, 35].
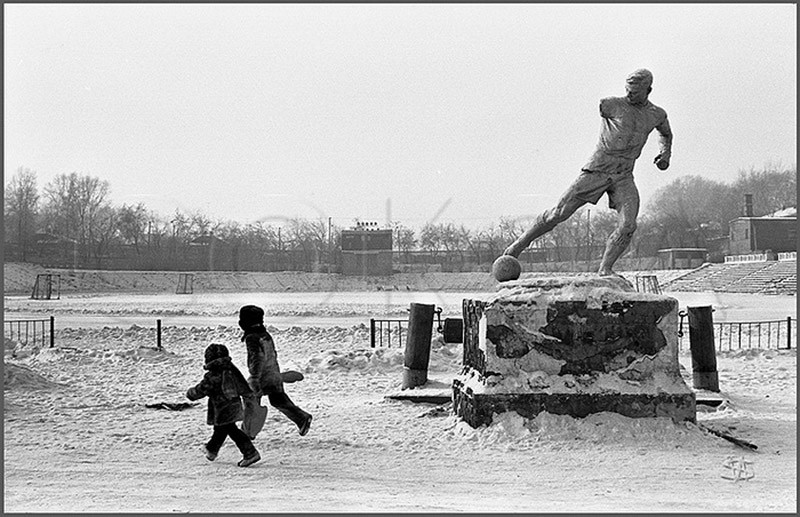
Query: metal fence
[778, 334]
[387, 331]
[394, 331]
[31, 332]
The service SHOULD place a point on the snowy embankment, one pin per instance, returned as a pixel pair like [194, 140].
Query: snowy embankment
[78, 436]
[19, 279]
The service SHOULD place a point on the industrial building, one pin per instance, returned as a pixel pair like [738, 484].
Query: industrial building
[775, 233]
[367, 250]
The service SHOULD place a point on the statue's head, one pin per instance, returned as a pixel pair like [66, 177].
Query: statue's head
[638, 86]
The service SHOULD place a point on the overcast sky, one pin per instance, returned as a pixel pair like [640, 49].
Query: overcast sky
[417, 113]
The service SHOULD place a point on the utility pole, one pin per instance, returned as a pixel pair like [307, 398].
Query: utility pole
[280, 251]
[329, 246]
[588, 234]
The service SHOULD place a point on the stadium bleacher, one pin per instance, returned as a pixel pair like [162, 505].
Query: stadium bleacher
[768, 277]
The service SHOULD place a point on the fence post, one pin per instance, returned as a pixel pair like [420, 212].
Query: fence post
[701, 344]
[52, 331]
[418, 345]
[789, 332]
[400, 334]
[158, 334]
[372, 332]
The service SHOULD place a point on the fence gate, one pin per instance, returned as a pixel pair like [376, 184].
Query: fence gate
[47, 287]
[185, 283]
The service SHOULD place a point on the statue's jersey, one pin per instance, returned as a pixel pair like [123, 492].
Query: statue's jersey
[624, 132]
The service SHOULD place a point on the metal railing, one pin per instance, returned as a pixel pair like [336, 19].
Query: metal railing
[778, 334]
[32, 332]
[391, 330]
[753, 257]
[394, 330]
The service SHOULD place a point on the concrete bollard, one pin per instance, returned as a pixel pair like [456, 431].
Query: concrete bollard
[701, 344]
[418, 345]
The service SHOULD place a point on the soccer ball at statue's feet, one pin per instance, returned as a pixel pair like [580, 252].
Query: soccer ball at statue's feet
[506, 268]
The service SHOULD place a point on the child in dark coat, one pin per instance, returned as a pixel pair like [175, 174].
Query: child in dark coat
[265, 376]
[224, 385]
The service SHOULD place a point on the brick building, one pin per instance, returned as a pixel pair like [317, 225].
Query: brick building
[775, 232]
[366, 250]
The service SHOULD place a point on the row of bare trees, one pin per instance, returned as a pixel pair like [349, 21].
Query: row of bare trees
[692, 211]
[695, 212]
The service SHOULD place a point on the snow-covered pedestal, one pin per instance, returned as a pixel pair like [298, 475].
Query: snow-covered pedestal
[571, 346]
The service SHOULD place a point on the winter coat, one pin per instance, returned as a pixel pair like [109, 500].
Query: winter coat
[224, 385]
[262, 361]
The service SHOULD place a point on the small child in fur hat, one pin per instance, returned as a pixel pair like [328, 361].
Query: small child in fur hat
[224, 385]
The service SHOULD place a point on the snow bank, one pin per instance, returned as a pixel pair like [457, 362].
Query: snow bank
[17, 376]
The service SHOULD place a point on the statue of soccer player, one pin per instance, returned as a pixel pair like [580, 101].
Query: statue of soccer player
[627, 122]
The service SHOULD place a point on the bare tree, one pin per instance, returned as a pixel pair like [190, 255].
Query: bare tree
[21, 207]
[104, 231]
[157, 230]
[404, 239]
[510, 229]
[262, 236]
[774, 188]
[570, 234]
[74, 207]
[310, 237]
[471, 240]
[201, 224]
[430, 239]
[684, 208]
[493, 241]
[132, 224]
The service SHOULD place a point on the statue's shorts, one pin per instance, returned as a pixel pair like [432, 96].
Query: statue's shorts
[589, 187]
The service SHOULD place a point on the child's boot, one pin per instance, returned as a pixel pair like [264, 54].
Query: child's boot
[250, 459]
[210, 456]
[305, 426]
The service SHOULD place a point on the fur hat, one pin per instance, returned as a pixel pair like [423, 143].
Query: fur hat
[215, 351]
[250, 315]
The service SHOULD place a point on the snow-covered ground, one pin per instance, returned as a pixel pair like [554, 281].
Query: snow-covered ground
[78, 437]
[323, 308]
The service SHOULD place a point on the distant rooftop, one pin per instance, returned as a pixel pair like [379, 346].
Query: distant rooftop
[205, 240]
[786, 212]
[367, 226]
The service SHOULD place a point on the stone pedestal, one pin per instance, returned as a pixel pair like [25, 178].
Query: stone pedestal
[571, 346]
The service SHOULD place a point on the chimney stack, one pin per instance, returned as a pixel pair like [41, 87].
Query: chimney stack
[748, 205]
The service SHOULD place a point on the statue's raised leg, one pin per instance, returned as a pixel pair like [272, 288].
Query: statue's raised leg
[545, 222]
